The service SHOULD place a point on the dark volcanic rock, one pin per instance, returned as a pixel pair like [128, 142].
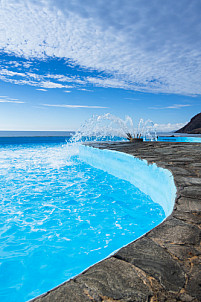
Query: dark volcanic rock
[194, 283]
[156, 262]
[115, 279]
[196, 131]
[194, 126]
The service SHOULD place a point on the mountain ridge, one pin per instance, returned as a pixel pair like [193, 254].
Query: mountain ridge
[193, 127]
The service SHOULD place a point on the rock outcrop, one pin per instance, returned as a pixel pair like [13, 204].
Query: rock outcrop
[193, 127]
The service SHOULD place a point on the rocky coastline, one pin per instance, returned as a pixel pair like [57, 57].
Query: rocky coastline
[193, 127]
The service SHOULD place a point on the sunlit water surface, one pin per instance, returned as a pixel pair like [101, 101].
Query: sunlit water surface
[58, 216]
[180, 139]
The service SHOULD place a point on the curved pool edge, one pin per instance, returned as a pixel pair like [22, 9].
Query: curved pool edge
[163, 264]
[154, 181]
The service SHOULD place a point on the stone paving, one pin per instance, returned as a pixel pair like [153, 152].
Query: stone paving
[164, 264]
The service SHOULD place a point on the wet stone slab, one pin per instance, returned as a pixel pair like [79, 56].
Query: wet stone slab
[164, 264]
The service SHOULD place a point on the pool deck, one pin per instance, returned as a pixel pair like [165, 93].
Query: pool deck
[164, 264]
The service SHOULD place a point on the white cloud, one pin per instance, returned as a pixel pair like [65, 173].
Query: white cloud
[49, 84]
[10, 100]
[33, 79]
[107, 82]
[132, 99]
[41, 89]
[84, 89]
[40, 107]
[14, 63]
[151, 46]
[175, 106]
[62, 78]
[27, 64]
[67, 91]
[168, 127]
[74, 106]
[6, 72]
[27, 79]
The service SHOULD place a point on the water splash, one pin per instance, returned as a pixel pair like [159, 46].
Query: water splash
[146, 130]
[108, 127]
[103, 127]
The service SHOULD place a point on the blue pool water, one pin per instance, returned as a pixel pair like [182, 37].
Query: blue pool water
[59, 216]
[180, 139]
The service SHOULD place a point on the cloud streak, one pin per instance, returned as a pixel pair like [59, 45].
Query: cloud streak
[4, 99]
[175, 106]
[33, 79]
[41, 89]
[74, 106]
[148, 46]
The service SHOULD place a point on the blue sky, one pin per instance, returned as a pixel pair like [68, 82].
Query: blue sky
[63, 61]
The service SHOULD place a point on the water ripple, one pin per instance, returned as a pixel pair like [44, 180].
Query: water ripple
[58, 217]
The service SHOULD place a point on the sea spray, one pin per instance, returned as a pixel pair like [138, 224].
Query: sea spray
[112, 128]
[103, 127]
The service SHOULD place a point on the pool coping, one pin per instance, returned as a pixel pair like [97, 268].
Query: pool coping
[165, 263]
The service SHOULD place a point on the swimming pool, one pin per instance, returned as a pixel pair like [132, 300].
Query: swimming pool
[60, 215]
[180, 139]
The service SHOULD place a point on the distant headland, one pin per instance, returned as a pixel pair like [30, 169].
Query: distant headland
[193, 127]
